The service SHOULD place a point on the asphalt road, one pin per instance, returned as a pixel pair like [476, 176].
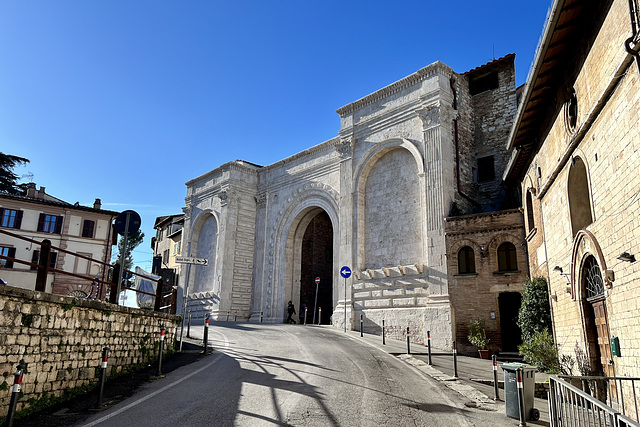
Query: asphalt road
[265, 375]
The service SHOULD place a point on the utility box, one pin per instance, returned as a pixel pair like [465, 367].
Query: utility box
[615, 346]
[512, 405]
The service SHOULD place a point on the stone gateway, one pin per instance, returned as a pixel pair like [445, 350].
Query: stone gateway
[374, 198]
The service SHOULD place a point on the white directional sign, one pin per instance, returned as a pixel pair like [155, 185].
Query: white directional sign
[191, 260]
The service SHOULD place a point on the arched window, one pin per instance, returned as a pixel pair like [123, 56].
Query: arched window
[579, 196]
[592, 278]
[507, 260]
[530, 218]
[466, 261]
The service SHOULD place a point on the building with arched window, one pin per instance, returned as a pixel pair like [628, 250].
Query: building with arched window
[576, 142]
[374, 198]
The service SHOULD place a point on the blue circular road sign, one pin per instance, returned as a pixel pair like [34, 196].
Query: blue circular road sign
[345, 272]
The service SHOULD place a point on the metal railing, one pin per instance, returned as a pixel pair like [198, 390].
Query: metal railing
[602, 401]
[165, 295]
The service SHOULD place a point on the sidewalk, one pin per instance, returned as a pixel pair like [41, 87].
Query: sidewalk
[475, 375]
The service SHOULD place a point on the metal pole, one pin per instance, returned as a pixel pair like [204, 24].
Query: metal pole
[184, 298]
[305, 315]
[17, 384]
[206, 332]
[260, 317]
[188, 327]
[315, 304]
[103, 374]
[523, 423]
[319, 315]
[227, 316]
[494, 361]
[235, 316]
[455, 360]
[408, 345]
[361, 321]
[345, 304]
[429, 347]
[160, 351]
[383, 343]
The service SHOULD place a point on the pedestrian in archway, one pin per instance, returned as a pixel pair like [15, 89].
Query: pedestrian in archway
[291, 310]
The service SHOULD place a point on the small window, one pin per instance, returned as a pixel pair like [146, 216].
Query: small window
[50, 224]
[507, 260]
[165, 256]
[530, 217]
[483, 83]
[35, 259]
[10, 218]
[486, 171]
[466, 261]
[87, 228]
[8, 252]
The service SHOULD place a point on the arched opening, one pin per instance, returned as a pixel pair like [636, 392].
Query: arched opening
[595, 316]
[316, 261]
[530, 217]
[507, 259]
[510, 334]
[579, 196]
[466, 260]
[205, 246]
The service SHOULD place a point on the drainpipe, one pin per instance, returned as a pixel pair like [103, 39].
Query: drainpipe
[631, 41]
[452, 82]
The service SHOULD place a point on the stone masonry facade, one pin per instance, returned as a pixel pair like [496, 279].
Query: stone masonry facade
[61, 340]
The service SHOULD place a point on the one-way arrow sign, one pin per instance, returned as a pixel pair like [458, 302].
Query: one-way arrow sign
[191, 260]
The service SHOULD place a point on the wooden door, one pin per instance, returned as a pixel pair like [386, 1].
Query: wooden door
[603, 341]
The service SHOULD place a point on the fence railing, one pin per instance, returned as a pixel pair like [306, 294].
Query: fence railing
[165, 295]
[601, 401]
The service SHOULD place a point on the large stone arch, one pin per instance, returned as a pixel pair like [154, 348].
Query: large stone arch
[204, 231]
[287, 243]
[397, 222]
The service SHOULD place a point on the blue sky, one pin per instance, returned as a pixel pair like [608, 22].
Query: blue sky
[127, 100]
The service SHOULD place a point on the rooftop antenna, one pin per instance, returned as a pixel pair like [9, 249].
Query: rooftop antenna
[494, 52]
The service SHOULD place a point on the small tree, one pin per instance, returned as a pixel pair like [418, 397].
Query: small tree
[8, 179]
[535, 312]
[477, 335]
[133, 240]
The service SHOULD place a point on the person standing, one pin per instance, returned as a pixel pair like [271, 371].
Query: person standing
[291, 310]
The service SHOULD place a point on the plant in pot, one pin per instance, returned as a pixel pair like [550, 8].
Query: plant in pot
[478, 337]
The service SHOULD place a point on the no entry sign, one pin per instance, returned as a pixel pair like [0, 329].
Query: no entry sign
[317, 280]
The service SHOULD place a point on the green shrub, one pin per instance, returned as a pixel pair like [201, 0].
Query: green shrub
[541, 352]
[477, 335]
[535, 312]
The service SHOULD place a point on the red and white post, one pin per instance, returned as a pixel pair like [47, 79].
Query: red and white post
[17, 386]
[103, 374]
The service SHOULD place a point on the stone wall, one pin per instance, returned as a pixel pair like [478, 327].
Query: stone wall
[61, 340]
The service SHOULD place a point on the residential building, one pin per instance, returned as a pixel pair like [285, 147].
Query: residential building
[71, 228]
[167, 245]
[576, 152]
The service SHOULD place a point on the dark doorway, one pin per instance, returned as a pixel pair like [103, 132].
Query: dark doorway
[317, 261]
[510, 334]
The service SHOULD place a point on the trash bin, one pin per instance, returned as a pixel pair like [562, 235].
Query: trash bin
[511, 390]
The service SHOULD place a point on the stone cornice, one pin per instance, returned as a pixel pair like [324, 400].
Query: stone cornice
[222, 169]
[483, 214]
[418, 76]
[315, 149]
[483, 230]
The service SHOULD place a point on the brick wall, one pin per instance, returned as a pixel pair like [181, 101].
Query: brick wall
[61, 340]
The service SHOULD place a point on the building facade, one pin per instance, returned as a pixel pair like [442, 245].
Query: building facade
[375, 199]
[167, 245]
[576, 144]
[74, 229]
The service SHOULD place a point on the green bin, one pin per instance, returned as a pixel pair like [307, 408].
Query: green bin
[511, 390]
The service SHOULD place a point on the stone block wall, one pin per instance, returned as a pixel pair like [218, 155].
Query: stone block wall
[61, 340]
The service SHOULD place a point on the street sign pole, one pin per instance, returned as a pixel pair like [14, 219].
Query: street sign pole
[185, 294]
[315, 304]
[346, 273]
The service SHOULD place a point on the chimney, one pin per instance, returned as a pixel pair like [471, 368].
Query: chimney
[97, 204]
[31, 190]
[41, 193]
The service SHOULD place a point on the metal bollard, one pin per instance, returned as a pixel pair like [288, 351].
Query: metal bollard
[523, 423]
[17, 382]
[227, 316]
[206, 333]
[235, 316]
[189, 326]
[383, 343]
[261, 317]
[103, 374]
[160, 351]
[319, 315]
[429, 347]
[305, 316]
[455, 360]
[408, 347]
[361, 322]
[494, 361]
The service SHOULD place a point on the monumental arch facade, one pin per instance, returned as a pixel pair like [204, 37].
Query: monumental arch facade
[374, 198]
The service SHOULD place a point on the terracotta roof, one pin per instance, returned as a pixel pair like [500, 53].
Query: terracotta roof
[490, 66]
[59, 203]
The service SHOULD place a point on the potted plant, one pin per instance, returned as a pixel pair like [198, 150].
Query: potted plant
[478, 337]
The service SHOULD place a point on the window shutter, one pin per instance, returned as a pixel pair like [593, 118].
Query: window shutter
[35, 258]
[11, 254]
[18, 220]
[1, 216]
[41, 222]
[58, 229]
[53, 257]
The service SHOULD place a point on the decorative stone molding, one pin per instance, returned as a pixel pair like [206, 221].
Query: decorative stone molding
[223, 196]
[344, 148]
[261, 199]
[430, 116]
[392, 272]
